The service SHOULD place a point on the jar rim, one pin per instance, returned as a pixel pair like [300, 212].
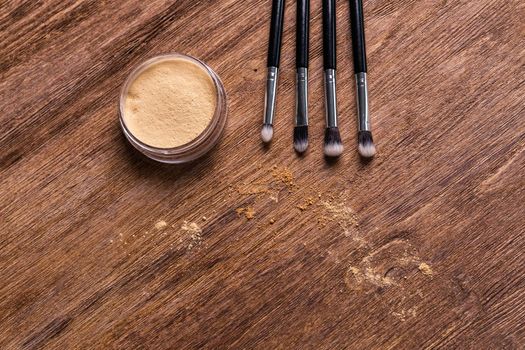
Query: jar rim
[203, 136]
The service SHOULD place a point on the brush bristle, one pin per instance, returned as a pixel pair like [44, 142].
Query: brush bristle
[332, 143]
[300, 138]
[267, 133]
[366, 148]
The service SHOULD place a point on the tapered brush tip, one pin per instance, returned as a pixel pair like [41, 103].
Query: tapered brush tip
[267, 133]
[366, 147]
[333, 147]
[300, 138]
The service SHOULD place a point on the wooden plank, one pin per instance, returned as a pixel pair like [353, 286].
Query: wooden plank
[421, 248]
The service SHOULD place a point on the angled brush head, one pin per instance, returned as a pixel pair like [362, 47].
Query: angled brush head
[333, 147]
[300, 138]
[267, 133]
[366, 148]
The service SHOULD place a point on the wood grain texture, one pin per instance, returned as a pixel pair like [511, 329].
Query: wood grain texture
[420, 249]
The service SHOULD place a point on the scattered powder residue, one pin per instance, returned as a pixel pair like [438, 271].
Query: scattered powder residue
[194, 231]
[370, 276]
[268, 188]
[425, 269]
[403, 315]
[284, 175]
[246, 189]
[321, 221]
[343, 215]
[160, 225]
[248, 212]
[357, 274]
[388, 265]
[307, 203]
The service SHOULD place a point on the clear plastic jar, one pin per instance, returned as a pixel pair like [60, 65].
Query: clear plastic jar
[196, 147]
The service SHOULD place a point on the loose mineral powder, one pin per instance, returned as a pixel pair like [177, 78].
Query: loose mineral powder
[171, 105]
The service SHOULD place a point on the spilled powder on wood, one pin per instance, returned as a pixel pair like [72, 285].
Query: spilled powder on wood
[404, 315]
[248, 212]
[371, 276]
[425, 269]
[308, 202]
[194, 231]
[342, 214]
[160, 225]
[284, 175]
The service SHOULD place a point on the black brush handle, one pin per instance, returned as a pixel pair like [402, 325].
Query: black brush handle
[276, 33]
[358, 35]
[329, 34]
[302, 33]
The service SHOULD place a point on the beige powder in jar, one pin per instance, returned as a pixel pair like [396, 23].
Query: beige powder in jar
[170, 103]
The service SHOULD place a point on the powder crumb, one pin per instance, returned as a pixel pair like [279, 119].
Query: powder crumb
[272, 221]
[160, 225]
[425, 269]
[195, 233]
[404, 315]
[248, 212]
[307, 203]
[370, 276]
[251, 189]
[321, 222]
[204, 218]
[191, 227]
[343, 215]
[284, 175]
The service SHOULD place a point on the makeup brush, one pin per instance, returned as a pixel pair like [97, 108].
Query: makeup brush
[332, 140]
[274, 57]
[366, 147]
[300, 132]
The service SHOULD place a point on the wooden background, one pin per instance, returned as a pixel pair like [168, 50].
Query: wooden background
[423, 248]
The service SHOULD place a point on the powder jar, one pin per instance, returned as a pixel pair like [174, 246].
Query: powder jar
[194, 148]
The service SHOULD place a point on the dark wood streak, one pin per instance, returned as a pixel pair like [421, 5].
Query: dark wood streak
[52, 330]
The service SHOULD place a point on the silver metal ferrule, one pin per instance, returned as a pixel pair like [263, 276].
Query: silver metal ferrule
[363, 116]
[271, 92]
[330, 98]
[301, 97]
